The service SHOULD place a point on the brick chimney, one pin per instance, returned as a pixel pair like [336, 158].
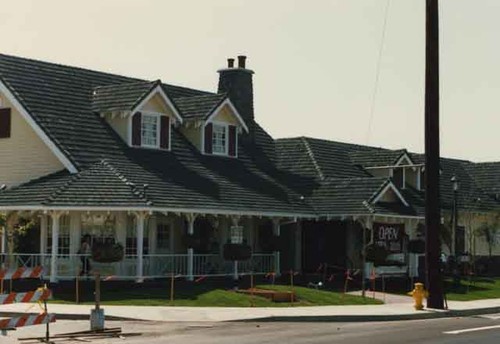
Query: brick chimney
[237, 83]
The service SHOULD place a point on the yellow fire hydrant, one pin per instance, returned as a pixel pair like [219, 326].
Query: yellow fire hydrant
[418, 294]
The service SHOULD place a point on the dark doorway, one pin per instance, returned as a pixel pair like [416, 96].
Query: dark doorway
[323, 242]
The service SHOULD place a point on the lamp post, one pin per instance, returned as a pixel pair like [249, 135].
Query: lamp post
[454, 183]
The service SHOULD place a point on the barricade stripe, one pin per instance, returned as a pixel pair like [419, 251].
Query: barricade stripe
[22, 321]
[27, 320]
[31, 296]
[22, 272]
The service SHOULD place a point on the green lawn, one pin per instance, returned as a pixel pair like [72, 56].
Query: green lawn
[204, 296]
[478, 289]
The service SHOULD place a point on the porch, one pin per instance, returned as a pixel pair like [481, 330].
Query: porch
[156, 245]
[154, 265]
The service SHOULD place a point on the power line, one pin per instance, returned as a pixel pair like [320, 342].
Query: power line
[377, 73]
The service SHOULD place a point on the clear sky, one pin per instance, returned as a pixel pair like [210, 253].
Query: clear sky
[314, 60]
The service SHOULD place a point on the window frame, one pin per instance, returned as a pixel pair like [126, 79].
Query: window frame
[226, 138]
[157, 116]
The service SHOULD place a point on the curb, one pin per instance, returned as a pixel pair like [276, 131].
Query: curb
[429, 314]
[66, 316]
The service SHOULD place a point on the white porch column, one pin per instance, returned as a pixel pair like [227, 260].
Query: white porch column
[4, 239]
[276, 233]
[43, 234]
[10, 221]
[235, 221]
[141, 218]
[190, 251]
[55, 216]
[75, 232]
[121, 237]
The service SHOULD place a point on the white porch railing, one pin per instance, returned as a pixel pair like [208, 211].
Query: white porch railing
[155, 265]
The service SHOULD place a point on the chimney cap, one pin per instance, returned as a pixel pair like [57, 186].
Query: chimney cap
[242, 61]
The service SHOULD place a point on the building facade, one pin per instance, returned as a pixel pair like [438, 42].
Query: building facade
[174, 174]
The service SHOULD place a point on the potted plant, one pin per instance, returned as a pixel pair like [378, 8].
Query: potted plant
[107, 251]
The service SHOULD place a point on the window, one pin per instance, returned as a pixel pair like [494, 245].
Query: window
[163, 238]
[63, 242]
[150, 130]
[219, 139]
[398, 177]
[100, 227]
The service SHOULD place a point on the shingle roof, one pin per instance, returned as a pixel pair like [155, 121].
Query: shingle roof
[318, 158]
[376, 157]
[120, 97]
[486, 176]
[199, 107]
[292, 176]
[353, 196]
[59, 98]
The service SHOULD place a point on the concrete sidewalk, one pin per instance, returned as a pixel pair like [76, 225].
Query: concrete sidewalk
[390, 311]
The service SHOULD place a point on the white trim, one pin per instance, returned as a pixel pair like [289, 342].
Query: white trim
[226, 134]
[39, 131]
[404, 179]
[157, 116]
[390, 166]
[203, 139]
[391, 186]
[403, 157]
[158, 90]
[203, 211]
[158, 209]
[227, 102]
[419, 179]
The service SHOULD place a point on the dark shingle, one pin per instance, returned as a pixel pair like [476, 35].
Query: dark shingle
[199, 107]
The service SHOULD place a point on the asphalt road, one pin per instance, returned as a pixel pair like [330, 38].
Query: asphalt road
[481, 329]
[471, 330]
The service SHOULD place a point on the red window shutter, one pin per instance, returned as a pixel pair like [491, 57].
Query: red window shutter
[5, 123]
[165, 132]
[232, 140]
[208, 138]
[136, 129]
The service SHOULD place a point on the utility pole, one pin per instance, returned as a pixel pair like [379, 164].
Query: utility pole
[432, 210]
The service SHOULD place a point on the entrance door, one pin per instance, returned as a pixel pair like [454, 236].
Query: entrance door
[323, 242]
[164, 238]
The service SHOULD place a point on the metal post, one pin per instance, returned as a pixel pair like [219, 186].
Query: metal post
[432, 210]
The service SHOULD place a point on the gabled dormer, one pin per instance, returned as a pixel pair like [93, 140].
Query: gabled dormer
[212, 124]
[396, 164]
[140, 112]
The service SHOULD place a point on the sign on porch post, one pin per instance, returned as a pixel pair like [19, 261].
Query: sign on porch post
[389, 235]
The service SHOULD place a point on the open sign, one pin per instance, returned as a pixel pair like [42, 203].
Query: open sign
[389, 235]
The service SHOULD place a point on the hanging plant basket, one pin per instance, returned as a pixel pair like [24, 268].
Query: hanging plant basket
[107, 252]
[237, 252]
[376, 254]
[416, 246]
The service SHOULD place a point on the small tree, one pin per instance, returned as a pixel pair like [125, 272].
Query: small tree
[489, 232]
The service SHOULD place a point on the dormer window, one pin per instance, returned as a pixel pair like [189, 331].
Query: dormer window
[219, 139]
[150, 130]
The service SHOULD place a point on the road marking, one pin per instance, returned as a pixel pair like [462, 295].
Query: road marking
[492, 316]
[484, 328]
